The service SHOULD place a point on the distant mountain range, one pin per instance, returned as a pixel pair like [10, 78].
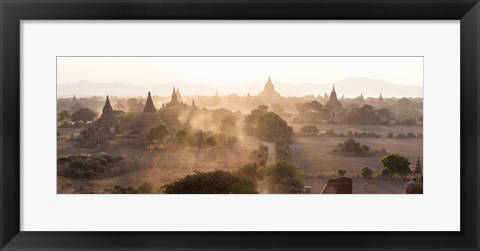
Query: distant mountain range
[351, 87]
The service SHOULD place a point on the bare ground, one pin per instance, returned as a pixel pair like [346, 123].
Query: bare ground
[314, 154]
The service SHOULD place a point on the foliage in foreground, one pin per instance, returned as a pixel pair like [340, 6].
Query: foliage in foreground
[216, 182]
[283, 177]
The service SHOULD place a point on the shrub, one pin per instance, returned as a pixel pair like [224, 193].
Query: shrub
[181, 136]
[259, 156]
[351, 146]
[310, 130]
[157, 133]
[341, 172]
[283, 177]
[330, 133]
[366, 172]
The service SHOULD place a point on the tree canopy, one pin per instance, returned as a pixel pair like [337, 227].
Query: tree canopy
[311, 130]
[396, 164]
[85, 115]
[157, 133]
[216, 182]
[270, 127]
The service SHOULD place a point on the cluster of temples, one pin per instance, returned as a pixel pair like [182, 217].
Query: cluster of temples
[108, 125]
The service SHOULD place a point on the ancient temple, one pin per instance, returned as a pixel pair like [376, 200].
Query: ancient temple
[269, 91]
[107, 121]
[334, 106]
[179, 97]
[174, 100]
[418, 167]
[380, 99]
[149, 106]
[333, 101]
[148, 118]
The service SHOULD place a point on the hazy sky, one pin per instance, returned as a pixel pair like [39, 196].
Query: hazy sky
[238, 70]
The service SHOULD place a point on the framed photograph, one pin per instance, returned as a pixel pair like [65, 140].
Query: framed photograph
[247, 125]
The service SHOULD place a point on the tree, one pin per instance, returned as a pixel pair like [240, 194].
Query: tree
[181, 136]
[216, 182]
[310, 130]
[351, 146]
[259, 156]
[366, 172]
[157, 133]
[311, 112]
[396, 164]
[270, 127]
[364, 116]
[255, 114]
[63, 116]
[384, 115]
[85, 115]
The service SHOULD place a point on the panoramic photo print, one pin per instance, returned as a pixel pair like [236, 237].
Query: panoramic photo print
[239, 125]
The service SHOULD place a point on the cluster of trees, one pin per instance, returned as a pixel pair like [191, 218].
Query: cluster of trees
[86, 166]
[311, 112]
[198, 139]
[259, 156]
[350, 146]
[314, 113]
[405, 136]
[394, 165]
[367, 115]
[79, 117]
[266, 125]
[312, 130]
[216, 182]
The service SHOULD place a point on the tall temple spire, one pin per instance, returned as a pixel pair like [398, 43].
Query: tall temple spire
[193, 103]
[179, 97]
[418, 166]
[380, 98]
[269, 90]
[174, 100]
[74, 98]
[107, 118]
[149, 106]
[107, 107]
[333, 95]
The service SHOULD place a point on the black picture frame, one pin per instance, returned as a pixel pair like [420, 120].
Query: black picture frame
[13, 11]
